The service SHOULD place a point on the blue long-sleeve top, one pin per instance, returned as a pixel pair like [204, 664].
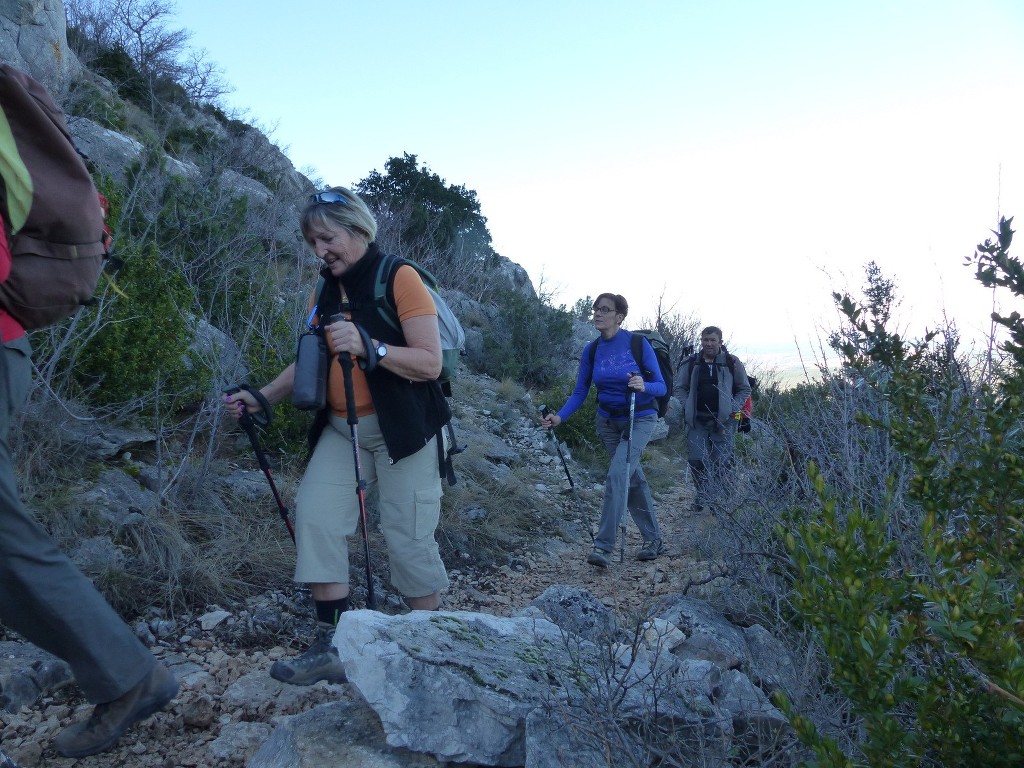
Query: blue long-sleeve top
[613, 362]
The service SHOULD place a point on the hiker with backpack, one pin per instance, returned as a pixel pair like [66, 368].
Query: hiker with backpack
[714, 390]
[609, 364]
[400, 410]
[52, 244]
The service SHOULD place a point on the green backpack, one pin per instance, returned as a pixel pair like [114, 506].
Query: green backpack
[453, 337]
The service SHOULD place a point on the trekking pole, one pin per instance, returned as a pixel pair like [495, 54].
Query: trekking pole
[572, 486]
[249, 425]
[629, 452]
[353, 424]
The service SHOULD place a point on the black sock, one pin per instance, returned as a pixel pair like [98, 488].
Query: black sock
[329, 611]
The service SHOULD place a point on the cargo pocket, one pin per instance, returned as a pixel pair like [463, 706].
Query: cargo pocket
[427, 513]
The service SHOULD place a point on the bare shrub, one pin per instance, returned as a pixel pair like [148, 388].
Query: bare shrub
[624, 700]
[680, 331]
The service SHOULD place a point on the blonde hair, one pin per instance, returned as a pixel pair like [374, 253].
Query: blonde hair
[352, 214]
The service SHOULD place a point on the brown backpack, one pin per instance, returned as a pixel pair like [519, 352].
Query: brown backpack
[50, 206]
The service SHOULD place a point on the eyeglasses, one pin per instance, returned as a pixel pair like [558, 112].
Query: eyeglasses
[603, 310]
[328, 198]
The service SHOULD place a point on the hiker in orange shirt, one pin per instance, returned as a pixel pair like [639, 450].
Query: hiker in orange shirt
[399, 409]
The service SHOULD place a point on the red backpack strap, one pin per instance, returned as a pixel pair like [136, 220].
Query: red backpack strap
[5, 250]
[108, 236]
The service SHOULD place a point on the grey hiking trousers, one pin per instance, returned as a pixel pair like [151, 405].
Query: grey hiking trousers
[710, 448]
[43, 596]
[612, 434]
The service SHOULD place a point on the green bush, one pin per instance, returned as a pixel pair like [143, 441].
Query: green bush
[141, 346]
[578, 431]
[88, 100]
[529, 341]
[918, 599]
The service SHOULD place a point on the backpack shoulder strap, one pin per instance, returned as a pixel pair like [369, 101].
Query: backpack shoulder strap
[328, 299]
[384, 286]
[688, 363]
[636, 344]
[732, 369]
[592, 356]
[445, 467]
[384, 289]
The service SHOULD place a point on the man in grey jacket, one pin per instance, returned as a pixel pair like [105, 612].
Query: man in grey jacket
[713, 386]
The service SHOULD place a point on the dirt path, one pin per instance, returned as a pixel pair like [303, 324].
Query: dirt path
[199, 724]
[628, 587]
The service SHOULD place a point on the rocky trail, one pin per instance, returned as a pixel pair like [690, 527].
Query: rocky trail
[228, 705]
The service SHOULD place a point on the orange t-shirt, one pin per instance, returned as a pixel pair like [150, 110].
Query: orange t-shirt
[411, 300]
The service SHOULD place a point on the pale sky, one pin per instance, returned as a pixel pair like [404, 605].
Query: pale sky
[744, 158]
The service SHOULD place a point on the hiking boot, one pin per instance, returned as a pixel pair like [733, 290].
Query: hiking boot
[319, 662]
[108, 721]
[650, 550]
[599, 558]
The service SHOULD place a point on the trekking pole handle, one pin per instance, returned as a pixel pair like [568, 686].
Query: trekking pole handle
[345, 360]
[545, 414]
[262, 417]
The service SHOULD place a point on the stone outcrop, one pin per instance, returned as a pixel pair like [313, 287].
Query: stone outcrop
[523, 691]
[33, 38]
[564, 682]
[27, 673]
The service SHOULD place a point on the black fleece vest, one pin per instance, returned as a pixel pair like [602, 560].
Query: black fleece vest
[409, 412]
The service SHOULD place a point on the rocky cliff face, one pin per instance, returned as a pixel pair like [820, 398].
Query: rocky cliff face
[33, 37]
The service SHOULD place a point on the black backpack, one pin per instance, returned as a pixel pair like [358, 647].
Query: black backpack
[660, 347]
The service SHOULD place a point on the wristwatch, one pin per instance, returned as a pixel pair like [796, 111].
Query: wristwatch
[381, 350]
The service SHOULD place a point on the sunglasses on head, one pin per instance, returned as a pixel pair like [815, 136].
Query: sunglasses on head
[328, 197]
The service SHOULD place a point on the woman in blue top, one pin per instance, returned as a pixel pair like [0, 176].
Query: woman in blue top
[608, 363]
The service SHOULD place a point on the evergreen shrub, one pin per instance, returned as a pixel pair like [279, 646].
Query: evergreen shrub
[529, 340]
[918, 599]
[142, 346]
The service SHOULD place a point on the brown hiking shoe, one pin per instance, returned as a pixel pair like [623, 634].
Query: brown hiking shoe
[599, 557]
[319, 662]
[651, 550]
[108, 721]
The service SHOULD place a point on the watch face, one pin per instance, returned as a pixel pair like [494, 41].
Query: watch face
[381, 350]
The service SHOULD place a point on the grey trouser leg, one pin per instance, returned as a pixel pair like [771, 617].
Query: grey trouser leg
[700, 480]
[43, 596]
[710, 453]
[612, 434]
